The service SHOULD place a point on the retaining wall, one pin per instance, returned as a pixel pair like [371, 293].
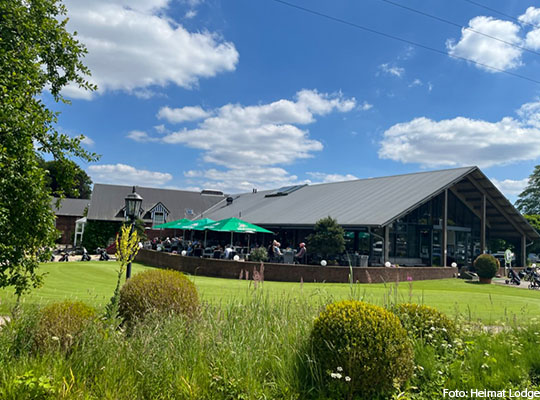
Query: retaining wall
[288, 272]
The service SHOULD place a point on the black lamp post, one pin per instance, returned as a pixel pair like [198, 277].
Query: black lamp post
[133, 209]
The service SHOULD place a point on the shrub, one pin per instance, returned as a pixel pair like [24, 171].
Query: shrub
[327, 238]
[363, 344]
[158, 290]
[258, 254]
[61, 324]
[486, 266]
[426, 323]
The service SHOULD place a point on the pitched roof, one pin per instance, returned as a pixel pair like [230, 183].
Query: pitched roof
[362, 202]
[69, 207]
[108, 201]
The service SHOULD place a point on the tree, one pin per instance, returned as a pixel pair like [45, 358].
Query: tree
[327, 238]
[36, 53]
[66, 178]
[528, 201]
[534, 221]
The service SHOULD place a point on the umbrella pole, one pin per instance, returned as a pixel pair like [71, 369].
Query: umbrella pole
[231, 239]
[205, 232]
[249, 237]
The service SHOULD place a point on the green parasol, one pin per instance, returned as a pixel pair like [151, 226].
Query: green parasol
[174, 224]
[235, 225]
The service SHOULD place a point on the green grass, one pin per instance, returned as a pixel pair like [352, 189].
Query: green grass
[93, 283]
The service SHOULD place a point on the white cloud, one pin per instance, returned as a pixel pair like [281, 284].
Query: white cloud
[485, 50]
[365, 106]
[190, 14]
[511, 187]
[134, 45]
[177, 115]
[122, 174]
[87, 141]
[531, 16]
[140, 136]
[416, 82]
[322, 177]
[392, 70]
[266, 134]
[465, 141]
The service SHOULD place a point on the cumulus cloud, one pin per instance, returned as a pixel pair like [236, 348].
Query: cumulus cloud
[322, 177]
[392, 70]
[511, 187]
[265, 134]
[531, 16]
[365, 106]
[141, 136]
[134, 45]
[487, 51]
[123, 174]
[87, 141]
[177, 115]
[464, 141]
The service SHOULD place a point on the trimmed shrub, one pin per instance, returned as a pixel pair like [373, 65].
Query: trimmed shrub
[486, 266]
[258, 254]
[158, 290]
[361, 349]
[61, 324]
[426, 323]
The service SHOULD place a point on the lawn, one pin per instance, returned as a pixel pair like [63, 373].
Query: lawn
[93, 283]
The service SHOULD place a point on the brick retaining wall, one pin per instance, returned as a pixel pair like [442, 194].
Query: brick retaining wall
[288, 272]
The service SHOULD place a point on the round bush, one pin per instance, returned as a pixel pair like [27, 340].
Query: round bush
[158, 290]
[427, 323]
[60, 324]
[486, 266]
[363, 346]
[258, 254]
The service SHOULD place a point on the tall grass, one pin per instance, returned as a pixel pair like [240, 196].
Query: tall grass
[255, 347]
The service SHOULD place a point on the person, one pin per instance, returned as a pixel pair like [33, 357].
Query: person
[300, 255]
[278, 255]
[228, 252]
[270, 251]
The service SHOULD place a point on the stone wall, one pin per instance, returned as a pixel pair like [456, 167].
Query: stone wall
[288, 272]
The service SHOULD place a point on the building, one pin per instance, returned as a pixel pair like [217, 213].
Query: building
[67, 213]
[412, 219]
[159, 205]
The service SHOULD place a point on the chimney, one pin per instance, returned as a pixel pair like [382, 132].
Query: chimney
[254, 190]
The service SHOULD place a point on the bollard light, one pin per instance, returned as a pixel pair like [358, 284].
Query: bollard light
[454, 265]
[387, 264]
[184, 252]
[323, 263]
[236, 257]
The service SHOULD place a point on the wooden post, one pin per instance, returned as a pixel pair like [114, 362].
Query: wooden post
[483, 226]
[386, 244]
[523, 251]
[444, 245]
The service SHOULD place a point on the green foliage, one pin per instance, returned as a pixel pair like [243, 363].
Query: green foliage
[528, 201]
[258, 254]
[426, 323]
[99, 233]
[162, 291]
[36, 52]
[65, 178]
[327, 238]
[362, 342]
[534, 221]
[486, 266]
[61, 324]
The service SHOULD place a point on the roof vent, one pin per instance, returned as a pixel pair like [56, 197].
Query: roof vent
[254, 190]
[209, 192]
[229, 200]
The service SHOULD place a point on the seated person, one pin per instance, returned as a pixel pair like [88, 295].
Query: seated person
[300, 255]
[228, 252]
[278, 255]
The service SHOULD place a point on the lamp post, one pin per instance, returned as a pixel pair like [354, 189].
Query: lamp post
[133, 209]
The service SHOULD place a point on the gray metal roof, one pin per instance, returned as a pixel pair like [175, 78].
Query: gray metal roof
[69, 207]
[108, 201]
[362, 202]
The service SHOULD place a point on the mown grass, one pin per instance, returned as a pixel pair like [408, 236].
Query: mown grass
[94, 282]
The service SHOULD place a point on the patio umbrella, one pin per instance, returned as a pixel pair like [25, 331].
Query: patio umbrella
[172, 224]
[199, 225]
[234, 225]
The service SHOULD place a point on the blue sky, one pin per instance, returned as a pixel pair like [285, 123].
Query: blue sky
[241, 94]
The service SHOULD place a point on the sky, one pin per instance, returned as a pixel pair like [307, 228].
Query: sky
[242, 94]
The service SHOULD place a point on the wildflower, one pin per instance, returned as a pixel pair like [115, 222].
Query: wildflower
[440, 372]
[55, 338]
[409, 278]
[347, 379]
[420, 368]
[339, 369]
[432, 328]
[336, 375]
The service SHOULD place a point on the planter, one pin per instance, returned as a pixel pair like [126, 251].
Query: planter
[485, 280]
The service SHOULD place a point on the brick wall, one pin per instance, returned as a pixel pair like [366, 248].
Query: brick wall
[290, 273]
